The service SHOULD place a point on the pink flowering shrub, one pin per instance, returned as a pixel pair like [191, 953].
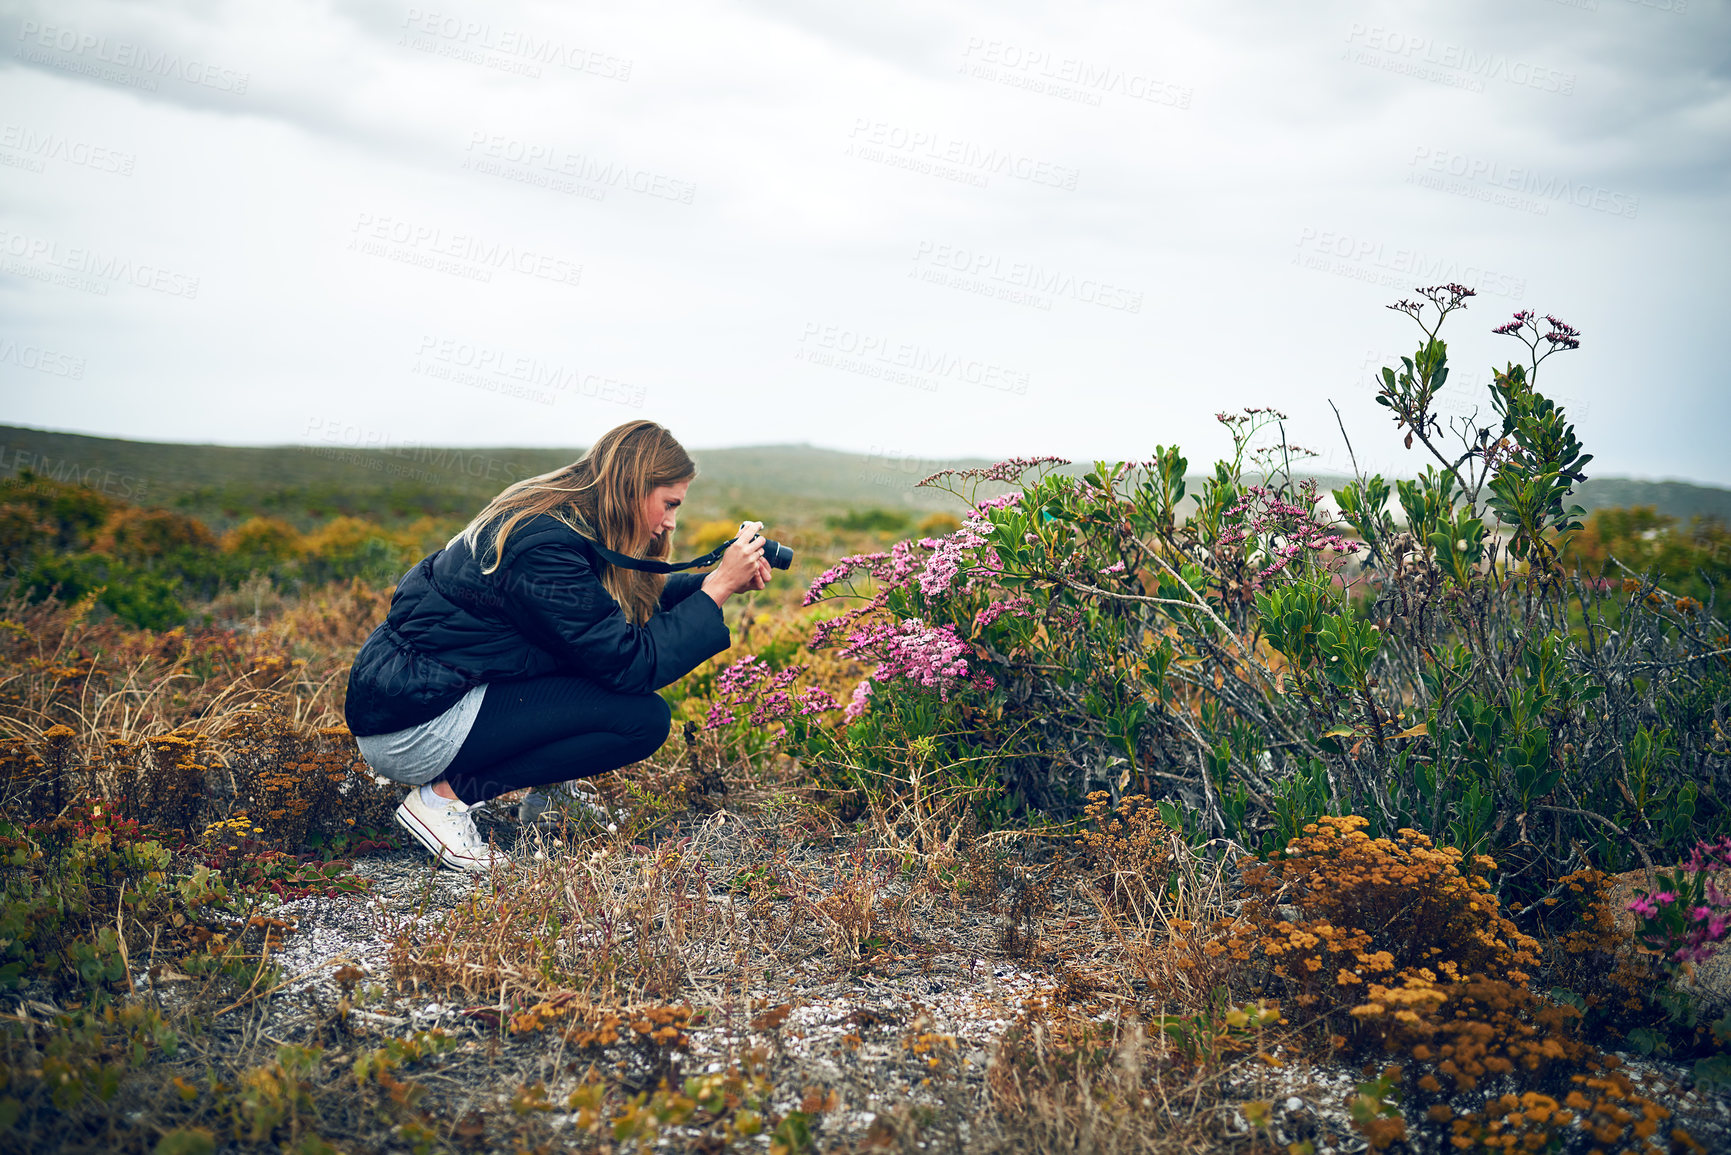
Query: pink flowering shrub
[1688, 919]
[1253, 656]
[934, 658]
[1009, 640]
[749, 697]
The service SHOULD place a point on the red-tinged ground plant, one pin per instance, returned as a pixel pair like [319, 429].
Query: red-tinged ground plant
[1683, 918]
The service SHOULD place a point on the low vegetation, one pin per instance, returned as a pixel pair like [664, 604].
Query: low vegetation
[1246, 817]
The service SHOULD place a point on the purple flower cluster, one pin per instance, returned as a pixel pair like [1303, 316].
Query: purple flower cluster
[1562, 335]
[749, 682]
[936, 573]
[1715, 855]
[1018, 605]
[1704, 926]
[892, 568]
[931, 657]
[1513, 327]
[859, 701]
[949, 553]
[1009, 470]
[1001, 502]
[1689, 935]
[1292, 529]
[841, 571]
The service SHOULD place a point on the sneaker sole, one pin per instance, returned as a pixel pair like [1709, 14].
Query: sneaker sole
[581, 803]
[441, 853]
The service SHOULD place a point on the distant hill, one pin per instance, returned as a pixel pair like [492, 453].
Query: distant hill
[307, 483]
[1678, 499]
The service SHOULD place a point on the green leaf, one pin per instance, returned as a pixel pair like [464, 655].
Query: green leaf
[186, 1141]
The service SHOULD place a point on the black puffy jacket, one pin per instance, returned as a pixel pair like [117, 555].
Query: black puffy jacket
[542, 611]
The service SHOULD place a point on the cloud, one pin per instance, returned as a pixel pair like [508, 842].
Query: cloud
[972, 189]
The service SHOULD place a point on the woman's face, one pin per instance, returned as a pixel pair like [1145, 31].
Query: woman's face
[661, 510]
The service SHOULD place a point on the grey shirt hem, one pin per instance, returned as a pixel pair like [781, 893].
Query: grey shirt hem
[419, 754]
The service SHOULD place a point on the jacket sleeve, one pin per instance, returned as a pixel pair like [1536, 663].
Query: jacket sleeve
[555, 599]
[679, 587]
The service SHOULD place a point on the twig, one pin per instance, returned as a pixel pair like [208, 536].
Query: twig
[1600, 818]
[253, 998]
[1357, 473]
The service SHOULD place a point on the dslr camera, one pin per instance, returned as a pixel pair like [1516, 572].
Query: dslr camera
[776, 554]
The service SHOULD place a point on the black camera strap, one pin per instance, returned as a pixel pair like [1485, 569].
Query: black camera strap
[649, 565]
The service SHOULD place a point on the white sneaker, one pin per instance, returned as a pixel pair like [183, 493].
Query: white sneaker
[447, 832]
[569, 795]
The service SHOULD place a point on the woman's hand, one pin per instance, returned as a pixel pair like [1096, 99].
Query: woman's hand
[742, 567]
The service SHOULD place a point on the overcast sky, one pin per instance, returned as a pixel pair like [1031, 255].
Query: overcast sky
[933, 229]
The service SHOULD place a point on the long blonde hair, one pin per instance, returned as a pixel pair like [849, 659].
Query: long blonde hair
[600, 496]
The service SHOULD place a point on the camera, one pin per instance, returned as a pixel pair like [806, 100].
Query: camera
[776, 554]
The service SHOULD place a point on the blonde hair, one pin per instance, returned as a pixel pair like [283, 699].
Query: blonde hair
[600, 496]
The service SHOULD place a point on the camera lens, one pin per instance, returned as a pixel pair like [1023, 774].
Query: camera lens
[777, 555]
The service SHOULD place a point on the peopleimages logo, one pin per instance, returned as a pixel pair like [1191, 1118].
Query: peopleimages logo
[477, 364]
[85, 52]
[374, 449]
[1019, 282]
[1364, 259]
[901, 362]
[1520, 179]
[460, 254]
[46, 146]
[41, 359]
[1448, 63]
[472, 40]
[92, 269]
[46, 469]
[555, 162]
[1065, 77]
[933, 153]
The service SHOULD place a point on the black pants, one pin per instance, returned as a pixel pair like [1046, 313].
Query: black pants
[546, 730]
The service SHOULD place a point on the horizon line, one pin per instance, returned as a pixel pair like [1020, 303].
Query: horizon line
[1724, 486]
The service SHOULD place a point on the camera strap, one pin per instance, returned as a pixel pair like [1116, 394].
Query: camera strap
[649, 565]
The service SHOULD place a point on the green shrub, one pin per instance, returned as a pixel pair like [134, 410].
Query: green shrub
[1260, 665]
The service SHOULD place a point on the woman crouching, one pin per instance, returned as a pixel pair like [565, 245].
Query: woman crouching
[516, 656]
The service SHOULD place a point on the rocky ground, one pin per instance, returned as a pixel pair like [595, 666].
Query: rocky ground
[900, 1019]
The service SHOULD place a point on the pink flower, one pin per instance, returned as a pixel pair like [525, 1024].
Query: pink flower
[1115, 567]
[949, 553]
[861, 699]
[816, 699]
[1007, 499]
[750, 683]
[746, 672]
[1711, 855]
[932, 658]
[1018, 605]
[1286, 528]
[1009, 470]
[839, 571]
[1645, 907]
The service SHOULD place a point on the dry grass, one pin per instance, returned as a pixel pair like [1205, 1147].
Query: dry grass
[744, 955]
